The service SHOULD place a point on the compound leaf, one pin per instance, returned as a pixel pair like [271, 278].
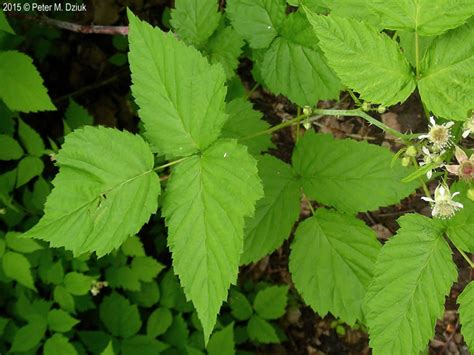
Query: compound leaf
[257, 21]
[22, 88]
[206, 200]
[413, 274]
[295, 67]
[367, 61]
[180, 95]
[334, 174]
[105, 191]
[447, 79]
[332, 261]
[275, 213]
[195, 20]
[466, 314]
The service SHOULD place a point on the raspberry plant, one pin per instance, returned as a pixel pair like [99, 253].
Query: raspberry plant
[225, 204]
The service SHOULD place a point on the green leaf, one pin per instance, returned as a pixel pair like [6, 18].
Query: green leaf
[77, 116]
[241, 308]
[158, 322]
[60, 321]
[261, 331]
[447, 80]
[257, 21]
[17, 267]
[148, 295]
[95, 341]
[461, 226]
[181, 96]
[195, 20]
[243, 122]
[133, 247]
[21, 245]
[4, 25]
[178, 333]
[28, 168]
[270, 303]
[30, 139]
[9, 148]
[109, 350]
[63, 298]
[206, 200]
[143, 345]
[332, 261]
[333, 173]
[29, 336]
[22, 87]
[366, 61]
[295, 67]
[77, 284]
[117, 193]
[275, 213]
[427, 17]
[408, 45]
[58, 344]
[123, 277]
[119, 316]
[466, 314]
[225, 48]
[222, 342]
[146, 268]
[413, 275]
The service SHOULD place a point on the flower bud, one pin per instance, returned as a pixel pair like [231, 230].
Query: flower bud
[405, 161]
[470, 194]
[411, 151]
[307, 124]
[307, 110]
[365, 106]
[381, 109]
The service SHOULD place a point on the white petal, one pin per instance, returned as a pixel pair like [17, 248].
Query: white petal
[432, 120]
[449, 124]
[423, 136]
[458, 205]
[455, 194]
[427, 199]
[429, 174]
[466, 133]
[442, 190]
[426, 151]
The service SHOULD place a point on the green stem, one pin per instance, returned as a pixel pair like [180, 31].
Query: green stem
[464, 255]
[171, 163]
[322, 112]
[354, 98]
[252, 91]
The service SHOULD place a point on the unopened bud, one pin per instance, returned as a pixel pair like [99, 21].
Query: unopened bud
[3, 211]
[470, 194]
[365, 106]
[307, 110]
[405, 161]
[381, 109]
[307, 124]
[411, 151]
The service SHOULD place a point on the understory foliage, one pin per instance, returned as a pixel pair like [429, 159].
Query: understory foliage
[226, 202]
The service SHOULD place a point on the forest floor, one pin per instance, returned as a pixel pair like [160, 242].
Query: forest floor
[77, 66]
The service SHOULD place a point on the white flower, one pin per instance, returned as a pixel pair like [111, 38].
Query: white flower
[444, 207]
[439, 135]
[468, 127]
